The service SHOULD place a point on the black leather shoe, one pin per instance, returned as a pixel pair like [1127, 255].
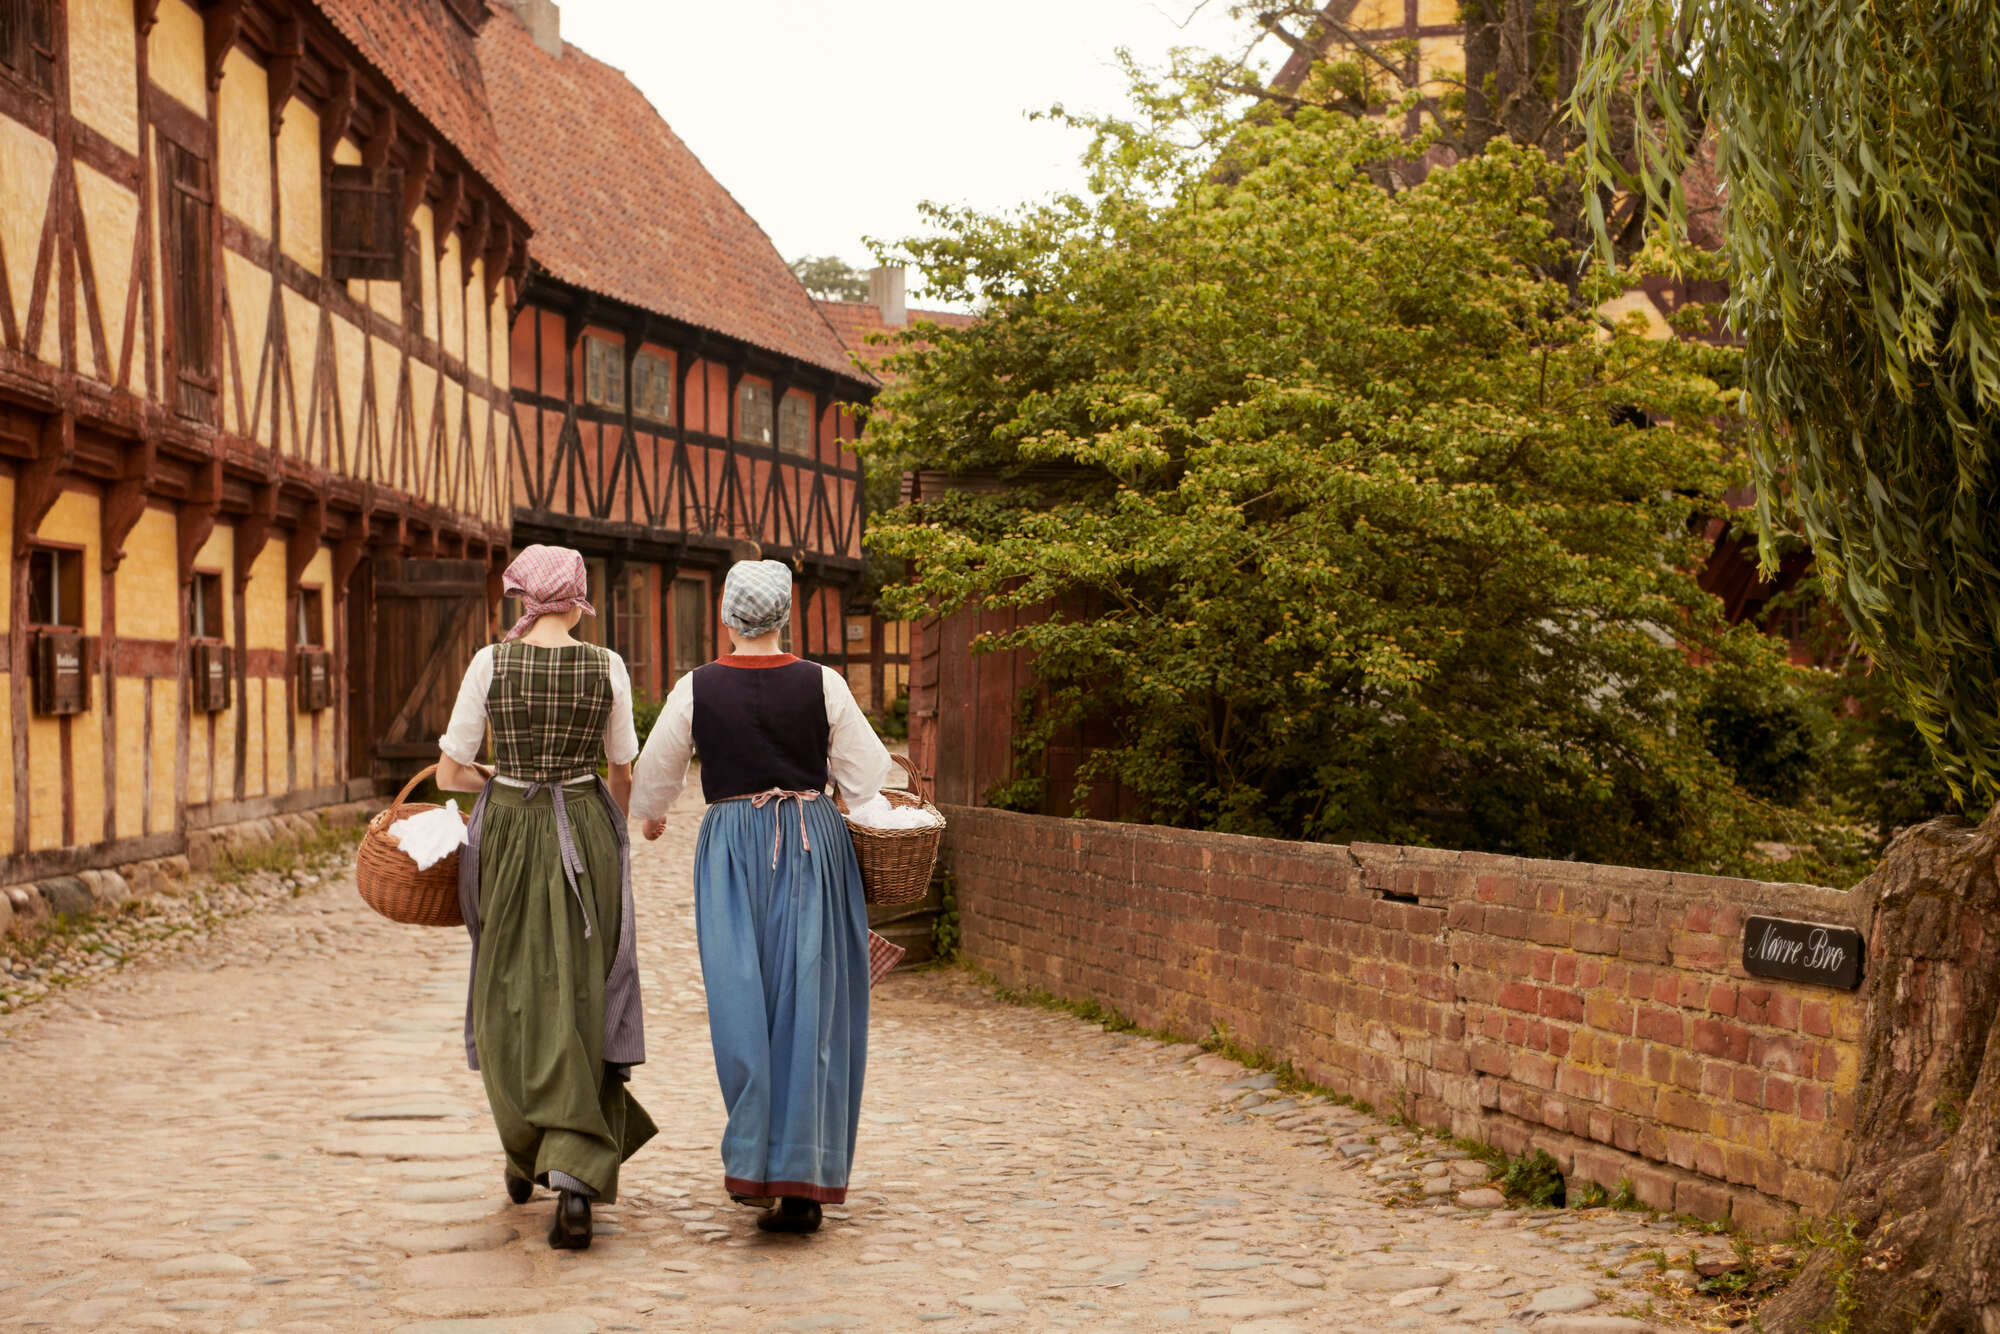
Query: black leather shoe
[570, 1230]
[794, 1213]
[519, 1190]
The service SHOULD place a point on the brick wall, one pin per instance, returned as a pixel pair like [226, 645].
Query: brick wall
[1598, 1012]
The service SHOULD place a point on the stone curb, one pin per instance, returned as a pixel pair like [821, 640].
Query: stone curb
[28, 908]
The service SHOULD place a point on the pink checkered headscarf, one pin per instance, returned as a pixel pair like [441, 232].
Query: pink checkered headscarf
[546, 579]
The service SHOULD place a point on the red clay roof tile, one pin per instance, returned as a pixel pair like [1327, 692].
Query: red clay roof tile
[621, 207]
[427, 54]
[855, 320]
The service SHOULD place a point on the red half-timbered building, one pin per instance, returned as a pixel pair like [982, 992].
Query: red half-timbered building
[878, 665]
[253, 385]
[677, 394]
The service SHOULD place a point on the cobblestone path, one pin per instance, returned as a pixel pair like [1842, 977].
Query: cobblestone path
[274, 1128]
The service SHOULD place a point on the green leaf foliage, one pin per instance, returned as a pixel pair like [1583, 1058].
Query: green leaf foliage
[1858, 145]
[1344, 500]
[831, 278]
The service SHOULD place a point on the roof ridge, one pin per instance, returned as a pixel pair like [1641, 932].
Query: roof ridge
[743, 297]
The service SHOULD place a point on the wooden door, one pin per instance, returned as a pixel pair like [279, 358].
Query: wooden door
[429, 619]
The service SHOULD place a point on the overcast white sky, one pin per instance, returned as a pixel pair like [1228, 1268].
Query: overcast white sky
[829, 120]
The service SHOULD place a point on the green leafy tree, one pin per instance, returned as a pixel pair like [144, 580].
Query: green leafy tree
[831, 278]
[1344, 498]
[1859, 148]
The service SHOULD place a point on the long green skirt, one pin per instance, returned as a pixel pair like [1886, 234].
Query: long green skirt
[538, 991]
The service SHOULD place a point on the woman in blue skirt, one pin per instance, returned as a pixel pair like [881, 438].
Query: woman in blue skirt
[779, 914]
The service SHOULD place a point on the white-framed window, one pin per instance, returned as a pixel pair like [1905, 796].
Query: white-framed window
[795, 424]
[690, 625]
[653, 388]
[312, 618]
[753, 413]
[205, 607]
[55, 587]
[603, 372]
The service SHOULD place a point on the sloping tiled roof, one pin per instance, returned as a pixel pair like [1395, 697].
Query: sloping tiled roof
[425, 51]
[621, 207]
[855, 320]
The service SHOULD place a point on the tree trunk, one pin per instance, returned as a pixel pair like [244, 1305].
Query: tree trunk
[1922, 1195]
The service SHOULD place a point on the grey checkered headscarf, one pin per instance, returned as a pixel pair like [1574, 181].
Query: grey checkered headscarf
[757, 597]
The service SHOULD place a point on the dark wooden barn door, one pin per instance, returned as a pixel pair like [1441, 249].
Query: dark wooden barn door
[428, 619]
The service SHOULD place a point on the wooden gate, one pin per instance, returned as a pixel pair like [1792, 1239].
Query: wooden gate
[424, 619]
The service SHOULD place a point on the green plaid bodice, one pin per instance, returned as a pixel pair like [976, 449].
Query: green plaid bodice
[547, 708]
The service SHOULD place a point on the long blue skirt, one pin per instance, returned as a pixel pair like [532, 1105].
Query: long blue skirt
[784, 958]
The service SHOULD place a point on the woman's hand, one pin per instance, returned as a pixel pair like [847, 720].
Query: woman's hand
[652, 829]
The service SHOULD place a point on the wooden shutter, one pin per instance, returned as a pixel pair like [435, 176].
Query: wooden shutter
[365, 211]
[27, 42]
[188, 204]
[41, 68]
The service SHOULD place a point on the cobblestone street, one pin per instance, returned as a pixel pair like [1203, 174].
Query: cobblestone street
[274, 1128]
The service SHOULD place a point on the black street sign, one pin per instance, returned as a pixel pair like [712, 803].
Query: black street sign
[1802, 952]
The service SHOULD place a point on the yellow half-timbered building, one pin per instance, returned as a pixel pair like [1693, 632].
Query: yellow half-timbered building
[255, 258]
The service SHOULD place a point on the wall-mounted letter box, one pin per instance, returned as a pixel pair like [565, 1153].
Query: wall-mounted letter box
[315, 684]
[62, 672]
[209, 673]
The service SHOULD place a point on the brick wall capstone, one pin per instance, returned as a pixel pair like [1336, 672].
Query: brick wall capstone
[1600, 1013]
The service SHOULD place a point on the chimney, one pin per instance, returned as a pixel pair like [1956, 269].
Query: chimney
[885, 289]
[544, 20]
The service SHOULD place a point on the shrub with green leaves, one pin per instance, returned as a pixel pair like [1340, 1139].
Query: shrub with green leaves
[1346, 499]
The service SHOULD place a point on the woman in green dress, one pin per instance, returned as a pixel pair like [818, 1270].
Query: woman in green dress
[552, 1017]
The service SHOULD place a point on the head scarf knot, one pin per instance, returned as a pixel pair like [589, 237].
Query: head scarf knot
[547, 580]
[757, 597]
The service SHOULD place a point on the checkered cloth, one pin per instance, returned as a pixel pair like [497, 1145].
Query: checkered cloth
[757, 597]
[547, 708]
[882, 957]
[546, 579]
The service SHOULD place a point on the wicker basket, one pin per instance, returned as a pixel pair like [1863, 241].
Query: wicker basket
[390, 882]
[896, 863]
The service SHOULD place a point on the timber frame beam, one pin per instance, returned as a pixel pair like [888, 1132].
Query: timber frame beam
[38, 485]
[125, 502]
[253, 530]
[303, 544]
[222, 21]
[196, 519]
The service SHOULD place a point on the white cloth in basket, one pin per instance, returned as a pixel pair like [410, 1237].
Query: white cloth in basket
[878, 813]
[428, 838]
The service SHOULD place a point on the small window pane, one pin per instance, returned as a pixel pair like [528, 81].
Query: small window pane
[604, 373]
[652, 388]
[795, 425]
[753, 413]
[42, 587]
[690, 624]
[205, 607]
[55, 587]
[311, 622]
[631, 605]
